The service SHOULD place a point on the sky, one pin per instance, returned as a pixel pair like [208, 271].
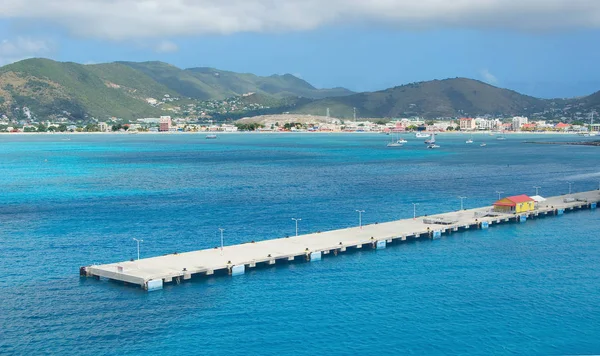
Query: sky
[544, 48]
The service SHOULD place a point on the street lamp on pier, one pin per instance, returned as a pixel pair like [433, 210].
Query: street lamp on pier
[415, 210]
[462, 202]
[360, 217]
[296, 220]
[220, 229]
[537, 189]
[138, 246]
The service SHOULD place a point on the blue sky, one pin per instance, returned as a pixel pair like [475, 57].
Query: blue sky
[547, 53]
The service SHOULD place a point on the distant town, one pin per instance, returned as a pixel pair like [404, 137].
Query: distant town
[300, 123]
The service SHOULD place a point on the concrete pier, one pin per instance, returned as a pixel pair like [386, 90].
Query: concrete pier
[152, 273]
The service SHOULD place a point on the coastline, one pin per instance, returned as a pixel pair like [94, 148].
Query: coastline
[284, 132]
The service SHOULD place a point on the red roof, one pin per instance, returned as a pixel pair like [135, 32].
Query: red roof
[561, 125]
[514, 200]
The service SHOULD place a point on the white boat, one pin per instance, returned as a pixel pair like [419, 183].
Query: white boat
[483, 144]
[422, 135]
[501, 137]
[402, 141]
[470, 140]
[432, 142]
[397, 143]
[211, 136]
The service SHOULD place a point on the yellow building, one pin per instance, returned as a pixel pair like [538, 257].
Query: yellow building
[517, 204]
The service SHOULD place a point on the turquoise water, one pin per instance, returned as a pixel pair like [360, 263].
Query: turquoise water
[528, 288]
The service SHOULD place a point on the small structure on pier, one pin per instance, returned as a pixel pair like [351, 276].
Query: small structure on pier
[515, 204]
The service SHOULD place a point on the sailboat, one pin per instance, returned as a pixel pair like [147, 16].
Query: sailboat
[422, 135]
[483, 144]
[396, 143]
[470, 140]
[432, 142]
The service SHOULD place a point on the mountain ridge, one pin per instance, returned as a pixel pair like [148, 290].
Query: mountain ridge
[132, 90]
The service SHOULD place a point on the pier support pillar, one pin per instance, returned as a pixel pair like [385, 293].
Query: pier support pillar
[210, 272]
[237, 270]
[155, 284]
[271, 262]
[315, 256]
[380, 245]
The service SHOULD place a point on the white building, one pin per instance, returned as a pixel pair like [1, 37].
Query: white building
[486, 124]
[229, 128]
[518, 122]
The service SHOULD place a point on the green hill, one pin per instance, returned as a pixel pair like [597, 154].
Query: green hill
[210, 83]
[131, 90]
[51, 89]
[121, 89]
[437, 98]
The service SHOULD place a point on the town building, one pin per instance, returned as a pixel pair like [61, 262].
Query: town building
[165, 123]
[467, 124]
[562, 126]
[102, 126]
[518, 122]
[515, 204]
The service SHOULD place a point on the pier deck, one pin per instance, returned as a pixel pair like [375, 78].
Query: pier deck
[151, 273]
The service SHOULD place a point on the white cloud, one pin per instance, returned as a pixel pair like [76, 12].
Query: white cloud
[134, 19]
[166, 47]
[488, 77]
[21, 48]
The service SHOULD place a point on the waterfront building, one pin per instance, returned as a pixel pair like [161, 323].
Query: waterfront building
[518, 122]
[165, 123]
[467, 124]
[515, 204]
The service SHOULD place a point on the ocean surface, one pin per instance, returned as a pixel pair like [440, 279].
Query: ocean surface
[73, 200]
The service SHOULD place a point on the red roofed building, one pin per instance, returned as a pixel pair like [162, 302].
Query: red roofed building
[515, 204]
[562, 126]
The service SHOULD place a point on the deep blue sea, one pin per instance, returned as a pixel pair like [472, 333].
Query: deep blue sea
[72, 200]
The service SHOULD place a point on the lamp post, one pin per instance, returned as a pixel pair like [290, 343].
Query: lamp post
[415, 210]
[360, 217]
[461, 202]
[138, 246]
[499, 192]
[220, 229]
[570, 186]
[537, 189]
[296, 220]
